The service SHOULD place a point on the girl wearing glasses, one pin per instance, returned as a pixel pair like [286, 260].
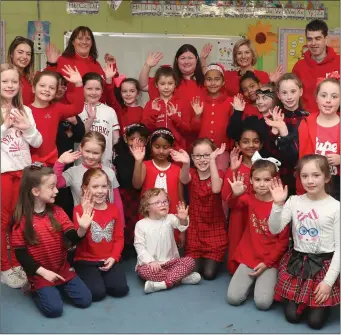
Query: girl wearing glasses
[206, 236]
[158, 259]
[21, 55]
[309, 274]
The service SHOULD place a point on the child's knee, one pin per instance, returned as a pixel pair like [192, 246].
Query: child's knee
[98, 293]
[53, 310]
[118, 291]
[235, 298]
[264, 302]
[86, 299]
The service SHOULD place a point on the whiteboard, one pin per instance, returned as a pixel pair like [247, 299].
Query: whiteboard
[131, 50]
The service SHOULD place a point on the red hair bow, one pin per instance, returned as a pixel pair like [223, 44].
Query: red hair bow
[335, 75]
[118, 80]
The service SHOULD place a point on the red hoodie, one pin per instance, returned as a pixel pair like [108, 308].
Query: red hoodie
[307, 133]
[308, 70]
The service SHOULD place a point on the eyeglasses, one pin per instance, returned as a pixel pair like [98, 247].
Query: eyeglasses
[160, 203]
[198, 157]
[312, 231]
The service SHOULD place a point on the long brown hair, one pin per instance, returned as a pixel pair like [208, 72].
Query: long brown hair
[32, 177]
[29, 69]
[17, 100]
[70, 49]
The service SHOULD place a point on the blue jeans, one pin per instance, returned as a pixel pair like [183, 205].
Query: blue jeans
[49, 300]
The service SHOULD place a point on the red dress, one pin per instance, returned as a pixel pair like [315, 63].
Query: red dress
[238, 217]
[206, 233]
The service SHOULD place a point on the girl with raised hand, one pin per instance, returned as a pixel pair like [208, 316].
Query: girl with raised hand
[258, 252]
[18, 134]
[309, 274]
[39, 242]
[206, 237]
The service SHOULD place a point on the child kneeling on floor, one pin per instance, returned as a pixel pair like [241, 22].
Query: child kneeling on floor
[158, 259]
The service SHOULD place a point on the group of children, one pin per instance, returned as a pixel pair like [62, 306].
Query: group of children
[210, 174]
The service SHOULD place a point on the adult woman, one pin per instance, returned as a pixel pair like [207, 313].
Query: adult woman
[21, 55]
[245, 58]
[186, 65]
[81, 52]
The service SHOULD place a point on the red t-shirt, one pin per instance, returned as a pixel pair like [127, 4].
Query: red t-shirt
[104, 237]
[47, 122]
[258, 244]
[51, 251]
[27, 93]
[327, 143]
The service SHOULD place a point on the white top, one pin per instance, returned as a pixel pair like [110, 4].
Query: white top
[154, 239]
[74, 176]
[315, 227]
[15, 145]
[105, 123]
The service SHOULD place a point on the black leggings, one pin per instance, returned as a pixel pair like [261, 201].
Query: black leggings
[317, 317]
[208, 268]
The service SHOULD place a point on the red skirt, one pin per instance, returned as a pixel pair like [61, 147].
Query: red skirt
[301, 291]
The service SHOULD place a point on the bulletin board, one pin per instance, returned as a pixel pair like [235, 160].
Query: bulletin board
[292, 45]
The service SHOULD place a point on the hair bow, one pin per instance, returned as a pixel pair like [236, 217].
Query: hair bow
[334, 74]
[266, 92]
[118, 80]
[256, 156]
[217, 67]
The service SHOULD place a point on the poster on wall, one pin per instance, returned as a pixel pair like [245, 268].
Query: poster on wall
[39, 33]
[272, 9]
[3, 42]
[82, 6]
[114, 4]
[292, 45]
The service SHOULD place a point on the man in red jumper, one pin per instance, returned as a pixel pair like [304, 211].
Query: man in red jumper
[320, 61]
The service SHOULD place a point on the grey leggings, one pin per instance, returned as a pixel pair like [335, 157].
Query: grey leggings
[241, 283]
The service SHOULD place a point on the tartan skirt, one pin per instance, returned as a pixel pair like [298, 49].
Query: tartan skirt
[301, 291]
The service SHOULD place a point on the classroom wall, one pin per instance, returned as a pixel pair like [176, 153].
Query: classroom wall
[17, 13]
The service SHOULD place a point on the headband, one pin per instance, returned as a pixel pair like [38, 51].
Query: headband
[214, 67]
[118, 80]
[335, 75]
[266, 92]
[126, 128]
[256, 157]
[162, 131]
[37, 165]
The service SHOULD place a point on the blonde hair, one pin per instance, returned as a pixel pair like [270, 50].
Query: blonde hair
[17, 100]
[144, 203]
[236, 47]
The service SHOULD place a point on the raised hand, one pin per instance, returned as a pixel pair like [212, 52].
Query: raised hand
[180, 156]
[91, 110]
[20, 120]
[171, 109]
[235, 159]
[85, 220]
[109, 71]
[238, 102]
[182, 211]
[274, 76]
[333, 159]
[109, 59]
[153, 59]
[72, 75]
[277, 122]
[138, 150]
[237, 184]
[69, 157]
[217, 152]
[108, 263]
[8, 118]
[278, 192]
[52, 54]
[156, 104]
[197, 106]
[72, 120]
[206, 50]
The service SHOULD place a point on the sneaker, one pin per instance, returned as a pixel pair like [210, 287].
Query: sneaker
[152, 286]
[12, 279]
[20, 272]
[192, 279]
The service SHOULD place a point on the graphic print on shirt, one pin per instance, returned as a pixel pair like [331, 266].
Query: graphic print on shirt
[101, 129]
[325, 147]
[98, 233]
[307, 229]
[161, 181]
[16, 144]
[261, 225]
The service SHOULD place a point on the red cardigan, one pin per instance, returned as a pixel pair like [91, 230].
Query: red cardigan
[307, 142]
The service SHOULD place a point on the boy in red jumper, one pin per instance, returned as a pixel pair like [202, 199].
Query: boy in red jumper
[97, 255]
[318, 62]
[258, 252]
[168, 110]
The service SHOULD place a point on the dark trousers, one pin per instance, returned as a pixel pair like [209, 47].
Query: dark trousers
[49, 299]
[101, 283]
